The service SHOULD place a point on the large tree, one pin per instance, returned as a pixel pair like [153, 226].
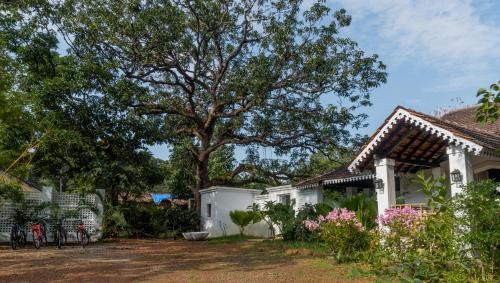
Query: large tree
[229, 72]
[56, 121]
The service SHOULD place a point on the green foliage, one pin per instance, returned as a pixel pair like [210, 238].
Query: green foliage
[296, 231]
[114, 223]
[148, 220]
[9, 189]
[322, 209]
[241, 218]
[457, 242]
[489, 104]
[281, 215]
[223, 73]
[478, 210]
[435, 189]
[364, 206]
[347, 241]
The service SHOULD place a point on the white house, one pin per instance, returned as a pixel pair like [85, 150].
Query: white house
[217, 202]
[453, 145]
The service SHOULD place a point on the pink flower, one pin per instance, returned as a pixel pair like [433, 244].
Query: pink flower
[338, 216]
[405, 217]
[311, 225]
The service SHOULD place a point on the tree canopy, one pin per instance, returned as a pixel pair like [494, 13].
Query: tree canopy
[209, 75]
[229, 72]
[56, 122]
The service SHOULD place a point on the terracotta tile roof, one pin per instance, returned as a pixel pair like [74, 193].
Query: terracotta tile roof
[461, 122]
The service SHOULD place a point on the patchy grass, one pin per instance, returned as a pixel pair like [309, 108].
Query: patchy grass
[317, 248]
[230, 239]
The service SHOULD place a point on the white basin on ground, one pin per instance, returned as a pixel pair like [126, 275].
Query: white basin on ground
[195, 236]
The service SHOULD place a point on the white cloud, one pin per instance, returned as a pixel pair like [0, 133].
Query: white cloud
[445, 34]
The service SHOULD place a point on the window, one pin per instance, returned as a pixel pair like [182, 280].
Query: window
[209, 210]
[284, 199]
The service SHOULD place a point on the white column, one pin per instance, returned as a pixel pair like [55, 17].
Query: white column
[461, 160]
[47, 194]
[384, 169]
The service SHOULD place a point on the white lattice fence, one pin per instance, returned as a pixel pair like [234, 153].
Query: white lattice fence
[66, 201]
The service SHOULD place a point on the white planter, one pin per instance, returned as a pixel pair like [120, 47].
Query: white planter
[195, 236]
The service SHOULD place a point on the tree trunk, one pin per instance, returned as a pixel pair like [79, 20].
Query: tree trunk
[202, 181]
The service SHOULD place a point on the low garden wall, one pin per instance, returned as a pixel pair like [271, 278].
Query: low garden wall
[66, 201]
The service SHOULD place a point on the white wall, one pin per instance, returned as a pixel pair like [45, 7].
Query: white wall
[226, 199]
[223, 200]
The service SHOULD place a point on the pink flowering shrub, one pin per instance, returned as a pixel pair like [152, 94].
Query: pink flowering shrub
[406, 217]
[342, 232]
[399, 229]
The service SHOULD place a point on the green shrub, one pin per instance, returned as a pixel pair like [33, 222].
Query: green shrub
[149, 220]
[114, 223]
[457, 242]
[241, 218]
[282, 216]
[478, 212]
[364, 206]
[342, 233]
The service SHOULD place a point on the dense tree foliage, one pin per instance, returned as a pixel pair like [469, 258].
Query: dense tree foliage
[228, 72]
[56, 122]
[202, 76]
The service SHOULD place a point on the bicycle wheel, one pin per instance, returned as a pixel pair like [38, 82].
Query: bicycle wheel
[22, 239]
[57, 239]
[36, 240]
[86, 238]
[43, 235]
[64, 234]
[13, 240]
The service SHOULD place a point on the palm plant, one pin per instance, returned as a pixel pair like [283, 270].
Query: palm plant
[364, 206]
[241, 218]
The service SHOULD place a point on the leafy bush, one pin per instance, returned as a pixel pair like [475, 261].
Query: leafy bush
[478, 212]
[114, 223]
[457, 242]
[148, 220]
[400, 230]
[364, 206]
[241, 218]
[342, 232]
[282, 216]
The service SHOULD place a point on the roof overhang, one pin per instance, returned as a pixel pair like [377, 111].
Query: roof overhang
[402, 115]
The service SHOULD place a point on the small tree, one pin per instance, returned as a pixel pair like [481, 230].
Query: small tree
[241, 218]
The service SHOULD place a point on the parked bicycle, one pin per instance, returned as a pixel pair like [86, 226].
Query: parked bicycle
[82, 234]
[23, 214]
[39, 233]
[60, 234]
[17, 237]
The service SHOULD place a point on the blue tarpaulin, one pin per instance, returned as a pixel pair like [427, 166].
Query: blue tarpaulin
[157, 198]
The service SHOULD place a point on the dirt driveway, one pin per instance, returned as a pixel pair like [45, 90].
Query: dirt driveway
[168, 261]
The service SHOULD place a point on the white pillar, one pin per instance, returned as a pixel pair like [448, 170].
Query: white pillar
[47, 194]
[461, 160]
[384, 169]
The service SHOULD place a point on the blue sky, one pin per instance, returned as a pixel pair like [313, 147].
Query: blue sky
[438, 53]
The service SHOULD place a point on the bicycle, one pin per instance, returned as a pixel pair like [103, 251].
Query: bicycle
[17, 237]
[59, 234]
[39, 234]
[82, 235]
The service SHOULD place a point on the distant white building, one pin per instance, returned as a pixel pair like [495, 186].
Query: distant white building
[217, 202]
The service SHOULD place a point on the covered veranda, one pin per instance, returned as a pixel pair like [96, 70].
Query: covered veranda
[410, 141]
